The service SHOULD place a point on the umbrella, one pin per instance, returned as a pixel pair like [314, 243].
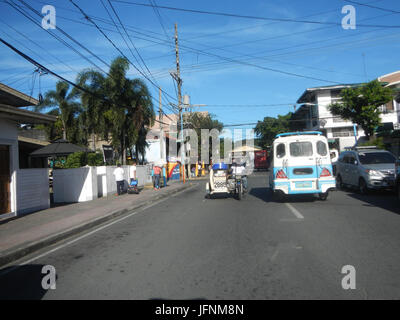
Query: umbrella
[58, 148]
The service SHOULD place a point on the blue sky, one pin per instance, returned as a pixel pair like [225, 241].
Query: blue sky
[232, 91]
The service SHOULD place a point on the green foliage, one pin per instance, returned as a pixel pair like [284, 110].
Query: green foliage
[375, 142]
[76, 160]
[361, 105]
[267, 129]
[95, 159]
[62, 102]
[121, 108]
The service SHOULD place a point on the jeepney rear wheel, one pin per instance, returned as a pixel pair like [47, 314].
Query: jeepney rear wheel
[323, 196]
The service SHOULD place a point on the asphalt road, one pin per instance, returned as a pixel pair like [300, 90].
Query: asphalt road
[189, 247]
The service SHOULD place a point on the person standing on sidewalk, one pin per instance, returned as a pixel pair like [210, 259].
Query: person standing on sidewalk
[164, 173]
[157, 175]
[119, 178]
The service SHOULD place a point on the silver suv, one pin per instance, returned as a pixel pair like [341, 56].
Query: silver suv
[366, 168]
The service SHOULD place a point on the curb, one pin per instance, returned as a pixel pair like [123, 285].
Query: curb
[18, 252]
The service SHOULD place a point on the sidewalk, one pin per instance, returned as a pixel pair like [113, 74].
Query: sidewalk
[33, 232]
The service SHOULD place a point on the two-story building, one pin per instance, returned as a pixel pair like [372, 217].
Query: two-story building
[21, 190]
[313, 114]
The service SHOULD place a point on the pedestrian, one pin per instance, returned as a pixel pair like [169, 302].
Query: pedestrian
[119, 178]
[152, 177]
[132, 171]
[157, 175]
[164, 173]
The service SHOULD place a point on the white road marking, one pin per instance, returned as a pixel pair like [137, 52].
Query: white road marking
[90, 233]
[294, 211]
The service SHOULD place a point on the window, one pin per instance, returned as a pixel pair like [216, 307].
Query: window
[280, 150]
[321, 148]
[352, 160]
[301, 149]
[303, 171]
[376, 157]
[343, 132]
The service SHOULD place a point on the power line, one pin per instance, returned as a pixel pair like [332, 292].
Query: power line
[370, 6]
[115, 46]
[141, 58]
[18, 8]
[158, 15]
[41, 67]
[251, 17]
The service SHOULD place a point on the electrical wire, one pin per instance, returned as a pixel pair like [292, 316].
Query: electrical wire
[253, 17]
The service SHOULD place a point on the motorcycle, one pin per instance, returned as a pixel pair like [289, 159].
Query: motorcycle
[240, 187]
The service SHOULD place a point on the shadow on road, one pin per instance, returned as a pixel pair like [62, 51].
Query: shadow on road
[22, 283]
[382, 199]
[265, 194]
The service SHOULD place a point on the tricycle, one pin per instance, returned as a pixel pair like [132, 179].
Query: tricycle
[224, 181]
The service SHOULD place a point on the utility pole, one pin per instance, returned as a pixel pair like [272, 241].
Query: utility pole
[161, 127]
[179, 84]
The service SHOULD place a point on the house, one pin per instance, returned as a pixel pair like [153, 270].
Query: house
[313, 114]
[161, 133]
[21, 190]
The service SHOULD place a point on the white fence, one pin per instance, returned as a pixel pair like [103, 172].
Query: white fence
[32, 190]
[89, 183]
[75, 185]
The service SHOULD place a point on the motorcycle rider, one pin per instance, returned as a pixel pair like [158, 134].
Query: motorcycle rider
[239, 169]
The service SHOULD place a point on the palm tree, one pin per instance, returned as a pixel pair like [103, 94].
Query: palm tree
[116, 105]
[63, 101]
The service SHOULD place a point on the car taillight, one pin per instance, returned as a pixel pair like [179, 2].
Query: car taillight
[325, 173]
[281, 175]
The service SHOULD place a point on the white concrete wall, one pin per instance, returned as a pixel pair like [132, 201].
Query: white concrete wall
[89, 183]
[75, 185]
[32, 190]
[9, 136]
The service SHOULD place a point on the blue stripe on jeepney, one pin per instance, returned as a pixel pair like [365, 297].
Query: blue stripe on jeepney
[316, 174]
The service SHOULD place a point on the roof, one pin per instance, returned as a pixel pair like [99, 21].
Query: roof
[306, 94]
[15, 98]
[390, 78]
[33, 141]
[299, 133]
[58, 148]
[24, 116]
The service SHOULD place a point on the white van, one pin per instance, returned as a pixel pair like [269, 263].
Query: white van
[301, 164]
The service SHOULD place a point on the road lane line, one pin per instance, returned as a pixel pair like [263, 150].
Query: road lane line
[91, 232]
[294, 211]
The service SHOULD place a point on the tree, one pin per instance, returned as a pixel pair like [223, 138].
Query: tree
[361, 105]
[116, 106]
[267, 129]
[198, 121]
[63, 100]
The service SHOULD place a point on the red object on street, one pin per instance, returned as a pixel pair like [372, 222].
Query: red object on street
[261, 159]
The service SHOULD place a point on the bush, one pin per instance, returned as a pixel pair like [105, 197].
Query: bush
[95, 159]
[375, 142]
[76, 160]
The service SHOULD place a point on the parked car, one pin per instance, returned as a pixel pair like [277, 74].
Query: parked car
[366, 168]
